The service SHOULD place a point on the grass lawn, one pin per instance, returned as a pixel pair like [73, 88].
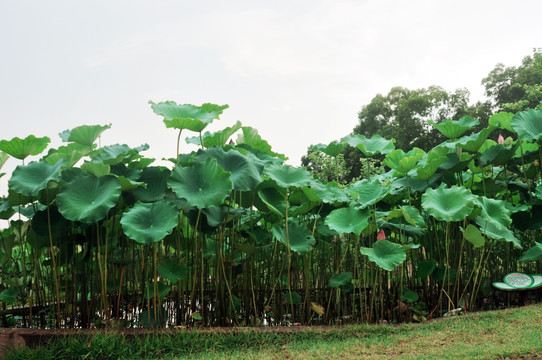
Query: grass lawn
[505, 334]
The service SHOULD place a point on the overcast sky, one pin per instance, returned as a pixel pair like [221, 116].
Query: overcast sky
[298, 71]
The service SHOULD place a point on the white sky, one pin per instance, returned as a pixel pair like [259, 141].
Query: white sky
[298, 71]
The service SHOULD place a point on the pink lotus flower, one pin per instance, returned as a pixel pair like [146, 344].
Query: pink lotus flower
[500, 140]
[381, 235]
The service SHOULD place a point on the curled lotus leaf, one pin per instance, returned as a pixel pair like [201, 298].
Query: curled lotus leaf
[150, 222]
[452, 204]
[334, 148]
[298, 237]
[502, 120]
[204, 184]
[219, 138]
[403, 162]
[528, 124]
[385, 254]
[72, 153]
[532, 254]
[250, 137]
[348, 220]
[245, 172]
[340, 279]
[3, 158]
[187, 116]
[453, 129]
[88, 198]
[22, 148]
[495, 211]
[30, 179]
[84, 135]
[430, 162]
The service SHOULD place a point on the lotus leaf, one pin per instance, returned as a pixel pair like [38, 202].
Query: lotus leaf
[412, 216]
[385, 254]
[300, 238]
[155, 179]
[330, 193]
[532, 254]
[9, 296]
[426, 268]
[187, 116]
[453, 204]
[409, 296]
[273, 199]
[251, 138]
[498, 154]
[430, 162]
[22, 148]
[3, 158]
[96, 169]
[495, 211]
[340, 279]
[348, 220]
[368, 192]
[294, 299]
[495, 230]
[218, 138]
[150, 222]
[334, 148]
[453, 129]
[473, 235]
[88, 198]
[72, 153]
[245, 172]
[287, 176]
[171, 270]
[502, 120]
[403, 162]
[30, 179]
[443, 271]
[528, 124]
[163, 290]
[202, 184]
[372, 146]
[84, 135]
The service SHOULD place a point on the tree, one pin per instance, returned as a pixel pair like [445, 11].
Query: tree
[516, 89]
[402, 114]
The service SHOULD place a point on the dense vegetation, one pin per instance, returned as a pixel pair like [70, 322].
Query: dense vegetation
[230, 235]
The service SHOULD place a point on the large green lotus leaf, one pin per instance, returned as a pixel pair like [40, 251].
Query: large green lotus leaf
[96, 169]
[348, 220]
[218, 138]
[114, 154]
[245, 172]
[453, 129]
[334, 148]
[495, 211]
[301, 240]
[204, 184]
[6, 210]
[453, 204]
[171, 270]
[372, 146]
[340, 279]
[532, 254]
[473, 235]
[88, 198]
[30, 179]
[43, 219]
[150, 222]
[72, 153]
[330, 193]
[413, 216]
[155, 179]
[251, 138]
[302, 200]
[502, 120]
[401, 226]
[273, 199]
[528, 124]
[22, 148]
[499, 154]
[495, 230]
[84, 135]
[403, 162]
[430, 162]
[426, 268]
[287, 176]
[187, 116]
[368, 192]
[9, 295]
[474, 141]
[385, 254]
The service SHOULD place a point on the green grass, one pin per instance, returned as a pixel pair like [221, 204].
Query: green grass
[489, 335]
